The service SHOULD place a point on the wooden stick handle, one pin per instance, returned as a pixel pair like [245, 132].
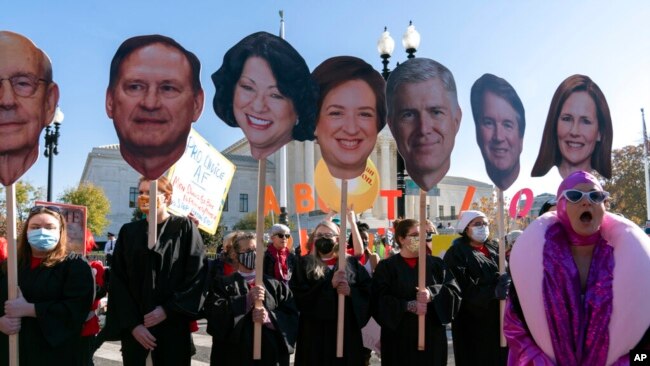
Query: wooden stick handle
[502, 259]
[342, 263]
[259, 259]
[422, 263]
[153, 216]
[12, 264]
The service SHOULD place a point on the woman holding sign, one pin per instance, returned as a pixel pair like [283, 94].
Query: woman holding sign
[231, 314]
[264, 87]
[351, 111]
[56, 291]
[316, 285]
[396, 302]
[473, 259]
[156, 292]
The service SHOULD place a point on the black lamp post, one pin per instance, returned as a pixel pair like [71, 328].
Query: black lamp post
[52, 147]
[385, 47]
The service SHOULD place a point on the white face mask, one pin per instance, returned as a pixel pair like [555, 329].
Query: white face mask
[479, 233]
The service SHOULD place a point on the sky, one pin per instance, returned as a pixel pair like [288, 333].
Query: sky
[532, 44]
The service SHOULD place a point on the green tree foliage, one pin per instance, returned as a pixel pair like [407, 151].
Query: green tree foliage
[212, 242]
[97, 205]
[627, 185]
[26, 194]
[249, 222]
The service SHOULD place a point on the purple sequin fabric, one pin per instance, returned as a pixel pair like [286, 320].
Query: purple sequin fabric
[578, 325]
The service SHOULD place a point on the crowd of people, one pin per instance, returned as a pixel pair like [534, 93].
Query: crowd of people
[157, 293]
[574, 291]
[563, 307]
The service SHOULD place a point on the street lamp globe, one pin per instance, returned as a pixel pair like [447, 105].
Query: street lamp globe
[385, 44]
[411, 40]
[58, 116]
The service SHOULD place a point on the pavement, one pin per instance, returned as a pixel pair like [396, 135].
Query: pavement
[109, 354]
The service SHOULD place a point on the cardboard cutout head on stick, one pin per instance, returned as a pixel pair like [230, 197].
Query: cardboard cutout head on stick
[500, 122]
[264, 87]
[424, 117]
[351, 111]
[578, 132]
[28, 99]
[154, 95]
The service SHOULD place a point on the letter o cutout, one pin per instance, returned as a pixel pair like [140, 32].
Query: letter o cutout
[513, 204]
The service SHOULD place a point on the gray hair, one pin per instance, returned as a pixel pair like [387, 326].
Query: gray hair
[418, 70]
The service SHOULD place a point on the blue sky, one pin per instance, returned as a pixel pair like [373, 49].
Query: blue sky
[534, 45]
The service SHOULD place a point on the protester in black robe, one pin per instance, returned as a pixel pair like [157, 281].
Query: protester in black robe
[279, 260]
[316, 285]
[56, 291]
[230, 312]
[156, 293]
[473, 259]
[396, 302]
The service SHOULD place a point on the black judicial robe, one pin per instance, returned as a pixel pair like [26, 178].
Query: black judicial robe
[230, 323]
[318, 303]
[62, 296]
[476, 329]
[170, 275]
[393, 286]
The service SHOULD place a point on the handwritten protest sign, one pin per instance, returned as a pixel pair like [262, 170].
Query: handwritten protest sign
[201, 179]
[75, 221]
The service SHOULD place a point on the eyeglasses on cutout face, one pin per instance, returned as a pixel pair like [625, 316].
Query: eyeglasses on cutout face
[282, 236]
[24, 85]
[575, 196]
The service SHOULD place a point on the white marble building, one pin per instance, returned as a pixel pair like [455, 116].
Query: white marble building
[105, 168]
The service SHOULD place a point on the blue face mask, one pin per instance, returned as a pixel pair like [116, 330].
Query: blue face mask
[43, 239]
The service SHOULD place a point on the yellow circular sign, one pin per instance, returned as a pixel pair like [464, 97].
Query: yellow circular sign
[362, 190]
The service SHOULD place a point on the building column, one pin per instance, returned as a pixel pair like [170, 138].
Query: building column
[309, 165]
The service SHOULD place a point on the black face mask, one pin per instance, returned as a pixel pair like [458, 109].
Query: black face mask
[324, 245]
[247, 259]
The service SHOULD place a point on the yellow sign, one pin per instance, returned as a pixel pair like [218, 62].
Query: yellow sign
[362, 190]
[201, 179]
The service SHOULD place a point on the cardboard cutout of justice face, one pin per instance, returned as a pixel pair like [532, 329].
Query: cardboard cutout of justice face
[351, 111]
[578, 132]
[28, 99]
[264, 87]
[500, 122]
[153, 97]
[424, 118]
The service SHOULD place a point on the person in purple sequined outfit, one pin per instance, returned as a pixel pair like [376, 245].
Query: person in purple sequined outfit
[577, 277]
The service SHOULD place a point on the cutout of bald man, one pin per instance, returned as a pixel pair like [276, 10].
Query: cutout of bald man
[500, 122]
[154, 95]
[28, 99]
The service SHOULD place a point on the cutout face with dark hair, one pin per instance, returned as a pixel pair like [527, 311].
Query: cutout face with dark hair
[153, 105]
[500, 121]
[264, 114]
[578, 132]
[28, 99]
[264, 87]
[351, 112]
[347, 128]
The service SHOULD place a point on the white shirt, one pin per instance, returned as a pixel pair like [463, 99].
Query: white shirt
[109, 247]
